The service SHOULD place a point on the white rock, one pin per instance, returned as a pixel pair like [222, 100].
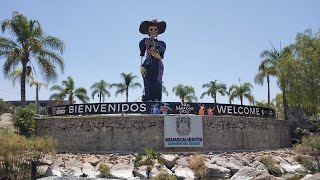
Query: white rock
[287, 167]
[122, 170]
[184, 172]
[246, 173]
[93, 160]
[183, 162]
[218, 171]
[169, 160]
[88, 169]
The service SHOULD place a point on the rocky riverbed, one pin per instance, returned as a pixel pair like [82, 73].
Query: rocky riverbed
[235, 166]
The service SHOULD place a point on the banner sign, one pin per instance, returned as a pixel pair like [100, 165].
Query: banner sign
[209, 109]
[183, 131]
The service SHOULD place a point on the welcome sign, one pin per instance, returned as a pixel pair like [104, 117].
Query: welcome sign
[209, 109]
[183, 131]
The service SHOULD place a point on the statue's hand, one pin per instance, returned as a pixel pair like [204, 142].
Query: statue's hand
[155, 53]
[143, 71]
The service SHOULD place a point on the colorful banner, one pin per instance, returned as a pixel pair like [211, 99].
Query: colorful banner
[209, 109]
[183, 131]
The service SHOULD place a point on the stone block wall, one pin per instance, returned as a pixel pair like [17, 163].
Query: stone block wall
[99, 134]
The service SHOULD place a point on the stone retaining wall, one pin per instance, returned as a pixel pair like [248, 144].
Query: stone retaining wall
[135, 133]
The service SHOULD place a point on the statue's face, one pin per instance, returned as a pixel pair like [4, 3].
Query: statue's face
[153, 31]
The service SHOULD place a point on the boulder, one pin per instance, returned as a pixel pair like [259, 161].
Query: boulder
[88, 170]
[313, 177]
[264, 176]
[122, 170]
[169, 160]
[246, 173]
[299, 119]
[218, 171]
[58, 162]
[53, 171]
[93, 160]
[259, 166]
[73, 163]
[288, 168]
[42, 169]
[183, 162]
[184, 172]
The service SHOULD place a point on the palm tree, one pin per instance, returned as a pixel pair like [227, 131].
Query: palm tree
[241, 91]
[265, 71]
[271, 60]
[126, 84]
[185, 93]
[213, 89]
[29, 45]
[15, 75]
[38, 85]
[228, 93]
[68, 90]
[100, 88]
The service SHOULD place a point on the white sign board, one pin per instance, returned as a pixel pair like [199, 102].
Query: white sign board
[183, 131]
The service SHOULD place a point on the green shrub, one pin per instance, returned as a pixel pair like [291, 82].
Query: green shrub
[306, 161]
[270, 164]
[104, 170]
[137, 161]
[17, 153]
[164, 176]
[198, 165]
[4, 107]
[310, 145]
[24, 121]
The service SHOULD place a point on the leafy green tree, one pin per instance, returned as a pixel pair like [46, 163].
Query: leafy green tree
[264, 73]
[242, 91]
[277, 101]
[38, 85]
[30, 47]
[128, 82]
[185, 93]
[100, 88]
[68, 90]
[300, 72]
[213, 88]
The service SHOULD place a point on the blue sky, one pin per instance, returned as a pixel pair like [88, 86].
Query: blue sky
[206, 40]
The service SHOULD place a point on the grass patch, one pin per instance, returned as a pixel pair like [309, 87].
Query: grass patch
[198, 165]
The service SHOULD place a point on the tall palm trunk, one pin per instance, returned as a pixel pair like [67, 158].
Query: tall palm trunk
[284, 99]
[37, 99]
[268, 81]
[215, 98]
[127, 95]
[100, 96]
[23, 83]
[70, 98]
[241, 100]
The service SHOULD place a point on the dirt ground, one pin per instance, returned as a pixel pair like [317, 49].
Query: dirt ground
[6, 122]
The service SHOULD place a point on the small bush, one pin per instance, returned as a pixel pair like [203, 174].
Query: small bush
[198, 165]
[17, 153]
[164, 176]
[307, 161]
[104, 170]
[137, 161]
[4, 107]
[310, 145]
[270, 163]
[24, 121]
